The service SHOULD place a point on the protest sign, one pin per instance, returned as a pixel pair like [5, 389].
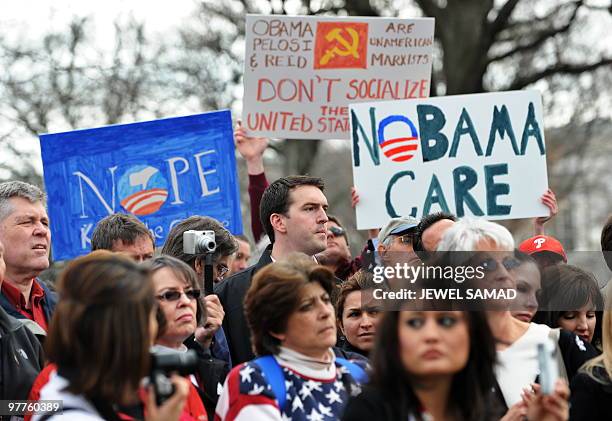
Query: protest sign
[302, 72]
[476, 155]
[161, 171]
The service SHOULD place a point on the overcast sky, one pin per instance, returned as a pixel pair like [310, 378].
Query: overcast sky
[28, 19]
[41, 15]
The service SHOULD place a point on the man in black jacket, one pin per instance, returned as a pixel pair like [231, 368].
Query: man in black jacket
[293, 214]
[21, 356]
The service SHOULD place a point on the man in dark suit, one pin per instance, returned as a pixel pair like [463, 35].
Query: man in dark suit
[294, 215]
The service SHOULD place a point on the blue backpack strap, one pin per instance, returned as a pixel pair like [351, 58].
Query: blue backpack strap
[358, 373]
[273, 373]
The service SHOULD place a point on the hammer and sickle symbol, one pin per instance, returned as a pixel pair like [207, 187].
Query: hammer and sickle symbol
[350, 48]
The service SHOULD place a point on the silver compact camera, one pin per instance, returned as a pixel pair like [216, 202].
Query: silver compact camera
[548, 366]
[198, 242]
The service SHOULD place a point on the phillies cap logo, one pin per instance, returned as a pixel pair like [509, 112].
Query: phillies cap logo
[538, 242]
[142, 190]
[398, 149]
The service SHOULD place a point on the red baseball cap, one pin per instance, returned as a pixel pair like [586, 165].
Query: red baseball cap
[543, 243]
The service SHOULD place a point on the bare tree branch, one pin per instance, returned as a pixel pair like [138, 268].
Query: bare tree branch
[500, 22]
[540, 37]
[558, 68]
[429, 8]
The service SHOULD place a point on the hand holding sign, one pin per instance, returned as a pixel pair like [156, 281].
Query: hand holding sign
[550, 200]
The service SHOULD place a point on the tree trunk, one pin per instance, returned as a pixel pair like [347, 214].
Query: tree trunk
[461, 28]
[299, 155]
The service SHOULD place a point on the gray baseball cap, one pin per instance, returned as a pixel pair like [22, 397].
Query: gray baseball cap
[397, 226]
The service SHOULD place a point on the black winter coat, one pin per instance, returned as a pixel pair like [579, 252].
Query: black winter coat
[231, 293]
[21, 358]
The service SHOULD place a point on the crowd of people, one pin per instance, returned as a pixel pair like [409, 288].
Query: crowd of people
[296, 332]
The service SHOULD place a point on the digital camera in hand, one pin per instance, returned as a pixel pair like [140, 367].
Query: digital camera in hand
[198, 242]
[163, 364]
[547, 366]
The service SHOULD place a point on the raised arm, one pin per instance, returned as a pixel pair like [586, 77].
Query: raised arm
[550, 200]
[252, 150]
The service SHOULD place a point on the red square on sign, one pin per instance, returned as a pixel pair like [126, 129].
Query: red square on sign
[341, 45]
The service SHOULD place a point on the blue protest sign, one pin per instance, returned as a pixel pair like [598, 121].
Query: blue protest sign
[161, 171]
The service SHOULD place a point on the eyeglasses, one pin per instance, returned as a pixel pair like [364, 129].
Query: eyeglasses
[221, 271]
[174, 295]
[490, 264]
[407, 239]
[337, 231]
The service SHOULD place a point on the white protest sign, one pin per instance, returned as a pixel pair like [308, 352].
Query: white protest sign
[472, 155]
[302, 72]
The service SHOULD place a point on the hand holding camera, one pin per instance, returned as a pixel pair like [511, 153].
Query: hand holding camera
[551, 407]
[172, 408]
[164, 366]
[214, 319]
[548, 367]
[547, 401]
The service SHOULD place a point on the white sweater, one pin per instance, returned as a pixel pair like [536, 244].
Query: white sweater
[53, 391]
[517, 365]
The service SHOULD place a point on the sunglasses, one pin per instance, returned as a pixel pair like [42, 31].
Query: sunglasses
[173, 295]
[490, 264]
[337, 231]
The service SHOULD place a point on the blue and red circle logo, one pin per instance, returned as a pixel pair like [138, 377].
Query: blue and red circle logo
[142, 190]
[398, 149]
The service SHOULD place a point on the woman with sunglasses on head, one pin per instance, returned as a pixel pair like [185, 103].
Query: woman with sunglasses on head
[490, 247]
[181, 310]
[571, 300]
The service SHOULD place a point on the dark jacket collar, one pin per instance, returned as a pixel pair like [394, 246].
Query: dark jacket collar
[8, 323]
[265, 259]
[48, 302]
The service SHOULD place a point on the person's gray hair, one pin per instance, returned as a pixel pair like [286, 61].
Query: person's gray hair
[466, 233]
[10, 189]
